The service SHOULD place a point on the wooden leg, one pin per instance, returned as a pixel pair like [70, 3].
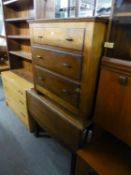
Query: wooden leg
[73, 164]
[36, 133]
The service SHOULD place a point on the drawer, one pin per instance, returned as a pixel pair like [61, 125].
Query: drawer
[70, 38]
[11, 91]
[65, 63]
[12, 94]
[16, 107]
[17, 83]
[67, 90]
[54, 120]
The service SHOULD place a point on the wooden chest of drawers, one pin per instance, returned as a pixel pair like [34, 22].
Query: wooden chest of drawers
[15, 95]
[66, 56]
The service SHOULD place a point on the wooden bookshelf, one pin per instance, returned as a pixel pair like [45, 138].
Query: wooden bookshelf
[16, 16]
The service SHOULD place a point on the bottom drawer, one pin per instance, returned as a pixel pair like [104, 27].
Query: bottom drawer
[60, 124]
[17, 109]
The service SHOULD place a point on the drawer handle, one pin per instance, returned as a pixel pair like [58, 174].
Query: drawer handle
[123, 80]
[67, 65]
[20, 92]
[41, 79]
[39, 57]
[21, 102]
[40, 36]
[77, 90]
[65, 91]
[23, 114]
[69, 39]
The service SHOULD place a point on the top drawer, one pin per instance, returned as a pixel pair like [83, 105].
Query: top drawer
[70, 38]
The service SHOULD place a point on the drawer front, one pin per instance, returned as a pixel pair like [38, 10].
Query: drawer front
[67, 90]
[12, 94]
[64, 63]
[10, 90]
[18, 83]
[16, 107]
[13, 83]
[70, 38]
[52, 119]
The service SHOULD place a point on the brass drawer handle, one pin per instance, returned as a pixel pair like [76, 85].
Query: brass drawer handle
[123, 80]
[40, 36]
[69, 39]
[39, 57]
[67, 65]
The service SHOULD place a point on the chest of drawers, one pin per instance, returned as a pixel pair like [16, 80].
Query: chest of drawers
[15, 95]
[66, 56]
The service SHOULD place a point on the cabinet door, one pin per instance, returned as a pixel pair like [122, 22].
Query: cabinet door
[113, 106]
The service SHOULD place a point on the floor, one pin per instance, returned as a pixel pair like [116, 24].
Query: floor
[23, 154]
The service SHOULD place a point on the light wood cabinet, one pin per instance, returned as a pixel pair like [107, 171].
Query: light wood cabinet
[15, 95]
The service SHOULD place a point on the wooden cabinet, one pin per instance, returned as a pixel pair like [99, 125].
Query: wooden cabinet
[15, 96]
[104, 156]
[66, 56]
[114, 92]
[114, 99]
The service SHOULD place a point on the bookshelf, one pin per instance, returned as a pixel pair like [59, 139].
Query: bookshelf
[16, 16]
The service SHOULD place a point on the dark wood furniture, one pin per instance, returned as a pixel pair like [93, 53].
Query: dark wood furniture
[66, 56]
[113, 103]
[104, 156]
[113, 106]
[55, 120]
[4, 62]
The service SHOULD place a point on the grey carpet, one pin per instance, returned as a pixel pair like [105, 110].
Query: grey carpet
[23, 154]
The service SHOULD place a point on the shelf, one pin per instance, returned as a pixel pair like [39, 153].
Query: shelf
[18, 19]
[16, 2]
[4, 67]
[18, 37]
[24, 74]
[22, 54]
[107, 156]
[126, 14]
[10, 2]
